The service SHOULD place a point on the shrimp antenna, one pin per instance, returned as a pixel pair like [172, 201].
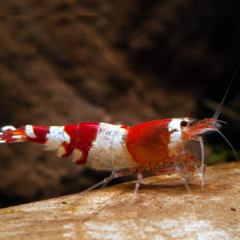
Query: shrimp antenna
[227, 142]
[216, 114]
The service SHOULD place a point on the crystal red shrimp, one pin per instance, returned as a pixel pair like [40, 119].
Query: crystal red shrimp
[158, 146]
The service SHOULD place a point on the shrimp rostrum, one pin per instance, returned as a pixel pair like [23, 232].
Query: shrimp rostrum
[158, 146]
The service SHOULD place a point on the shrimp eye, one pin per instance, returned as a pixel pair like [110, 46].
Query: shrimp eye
[183, 123]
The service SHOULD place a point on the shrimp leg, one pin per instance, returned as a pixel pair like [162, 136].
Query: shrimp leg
[172, 170]
[112, 176]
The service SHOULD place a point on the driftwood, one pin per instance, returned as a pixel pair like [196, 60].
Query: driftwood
[162, 209]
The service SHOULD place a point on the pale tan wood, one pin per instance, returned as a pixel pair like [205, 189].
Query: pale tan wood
[162, 210]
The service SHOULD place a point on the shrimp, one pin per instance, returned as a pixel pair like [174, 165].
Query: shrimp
[158, 146]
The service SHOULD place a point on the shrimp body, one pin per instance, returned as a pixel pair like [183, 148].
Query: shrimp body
[104, 146]
[158, 146]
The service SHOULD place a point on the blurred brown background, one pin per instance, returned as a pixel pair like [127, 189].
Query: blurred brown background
[64, 62]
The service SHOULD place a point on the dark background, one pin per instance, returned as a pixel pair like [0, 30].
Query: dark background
[64, 62]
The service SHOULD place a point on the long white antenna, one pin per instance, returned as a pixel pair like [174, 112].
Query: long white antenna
[227, 142]
[216, 114]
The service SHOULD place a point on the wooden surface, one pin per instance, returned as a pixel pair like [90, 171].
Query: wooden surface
[162, 210]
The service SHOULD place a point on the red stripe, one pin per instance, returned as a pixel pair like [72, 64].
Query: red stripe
[87, 133]
[40, 132]
[72, 131]
[81, 137]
